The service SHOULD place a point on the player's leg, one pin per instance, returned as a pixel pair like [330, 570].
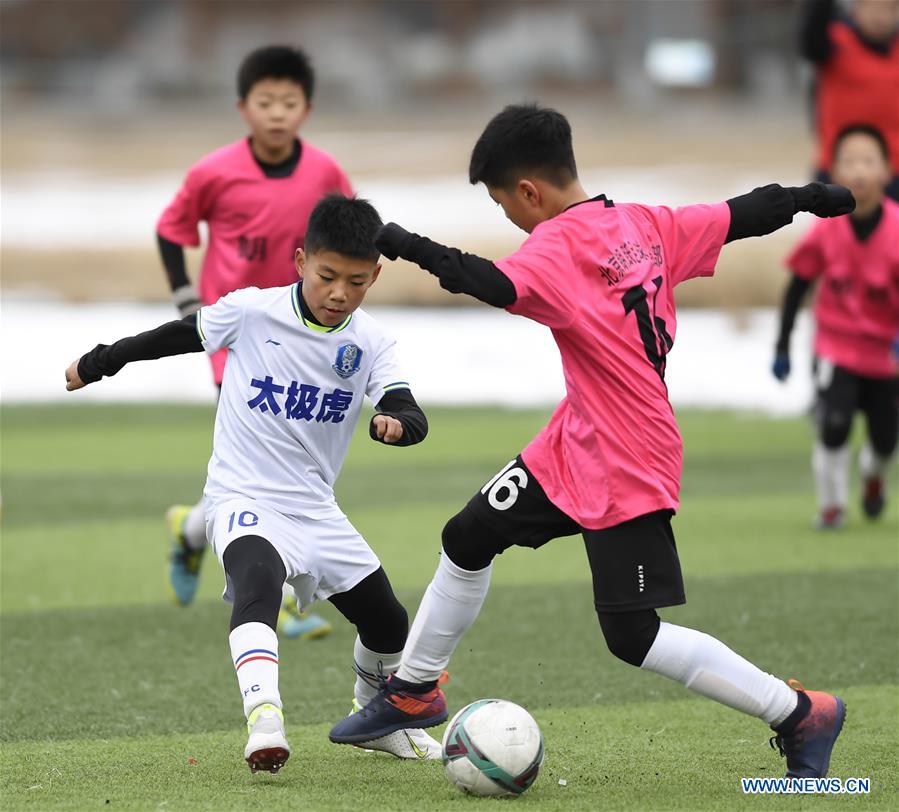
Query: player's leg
[382, 624]
[187, 531]
[635, 570]
[837, 400]
[511, 509]
[880, 404]
[257, 549]
[255, 573]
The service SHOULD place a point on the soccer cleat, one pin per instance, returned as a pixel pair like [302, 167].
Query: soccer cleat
[807, 742]
[184, 562]
[391, 710]
[293, 622]
[873, 499]
[413, 744]
[267, 748]
[830, 519]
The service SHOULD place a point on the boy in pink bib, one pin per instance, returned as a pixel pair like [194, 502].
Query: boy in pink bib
[601, 276]
[854, 261]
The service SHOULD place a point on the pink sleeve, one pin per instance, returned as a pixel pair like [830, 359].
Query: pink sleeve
[536, 270]
[178, 223]
[692, 238]
[805, 260]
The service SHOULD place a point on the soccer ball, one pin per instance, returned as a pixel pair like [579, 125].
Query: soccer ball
[492, 747]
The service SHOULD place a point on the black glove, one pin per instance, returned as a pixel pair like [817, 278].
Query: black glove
[391, 239]
[824, 199]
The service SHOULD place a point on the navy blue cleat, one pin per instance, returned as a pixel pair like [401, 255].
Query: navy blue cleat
[394, 708]
[807, 736]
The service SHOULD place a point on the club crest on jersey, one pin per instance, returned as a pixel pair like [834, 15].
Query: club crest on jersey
[349, 359]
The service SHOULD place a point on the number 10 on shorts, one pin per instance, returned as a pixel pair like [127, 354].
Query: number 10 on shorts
[508, 479]
[244, 519]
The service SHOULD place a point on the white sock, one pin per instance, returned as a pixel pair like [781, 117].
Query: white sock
[871, 464]
[449, 606]
[371, 667]
[710, 668]
[831, 469]
[254, 652]
[195, 527]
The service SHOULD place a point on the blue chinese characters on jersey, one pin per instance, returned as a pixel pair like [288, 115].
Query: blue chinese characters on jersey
[349, 358]
[303, 401]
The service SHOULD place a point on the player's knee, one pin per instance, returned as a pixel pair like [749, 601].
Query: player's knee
[469, 543]
[835, 427]
[629, 635]
[257, 575]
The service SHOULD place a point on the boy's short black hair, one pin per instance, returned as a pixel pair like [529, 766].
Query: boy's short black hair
[862, 129]
[524, 138]
[276, 62]
[344, 225]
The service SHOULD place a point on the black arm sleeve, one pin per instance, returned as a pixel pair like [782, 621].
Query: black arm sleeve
[771, 207]
[172, 256]
[461, 273]
[401, 405]
[814, 41]
[793, 296]
[173, 338]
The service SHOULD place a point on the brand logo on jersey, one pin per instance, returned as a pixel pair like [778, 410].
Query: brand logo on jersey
[272, 341]
[640, 581]
[349, 359]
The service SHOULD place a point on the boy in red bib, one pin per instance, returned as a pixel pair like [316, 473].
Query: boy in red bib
[855, 263]
[600, 275]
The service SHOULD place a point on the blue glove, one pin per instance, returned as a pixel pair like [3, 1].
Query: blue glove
[781, 366]
[895, 348]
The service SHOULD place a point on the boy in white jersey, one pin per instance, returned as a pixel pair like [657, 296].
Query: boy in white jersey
[300, 360]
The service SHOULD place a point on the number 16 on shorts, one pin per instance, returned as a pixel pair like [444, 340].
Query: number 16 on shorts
[502, 490]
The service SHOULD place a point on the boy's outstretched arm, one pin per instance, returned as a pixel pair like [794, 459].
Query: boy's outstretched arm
[173, 338]
[771, 207]
[399, 421]
[457, 272]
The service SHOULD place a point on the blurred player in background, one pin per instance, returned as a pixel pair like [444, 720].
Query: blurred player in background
[301, 360]
[255, 195]
[855, 260]
[856, 58]
[601, 276]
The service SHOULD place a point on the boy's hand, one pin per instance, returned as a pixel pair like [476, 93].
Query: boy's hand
[387, 429]
[73, 379]
[390, 240]
[829, 200]
[780, 369]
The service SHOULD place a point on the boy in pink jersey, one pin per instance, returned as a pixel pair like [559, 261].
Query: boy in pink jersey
[608, 464]
[856, 259]
[255, 196]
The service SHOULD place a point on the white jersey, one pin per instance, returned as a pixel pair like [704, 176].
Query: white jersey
[290, 399]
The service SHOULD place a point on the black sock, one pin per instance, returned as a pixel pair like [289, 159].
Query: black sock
[803, 706]
[411, 687]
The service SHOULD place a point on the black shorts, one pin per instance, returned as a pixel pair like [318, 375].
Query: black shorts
[840, 393]
[634, 564]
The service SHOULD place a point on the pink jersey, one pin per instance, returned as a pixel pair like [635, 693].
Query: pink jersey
[857, 303]
[601, 277]
[255, 223]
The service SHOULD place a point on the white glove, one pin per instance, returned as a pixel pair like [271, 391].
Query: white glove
[186, 300]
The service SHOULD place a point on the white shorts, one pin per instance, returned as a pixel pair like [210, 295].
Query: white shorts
[323, 557]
